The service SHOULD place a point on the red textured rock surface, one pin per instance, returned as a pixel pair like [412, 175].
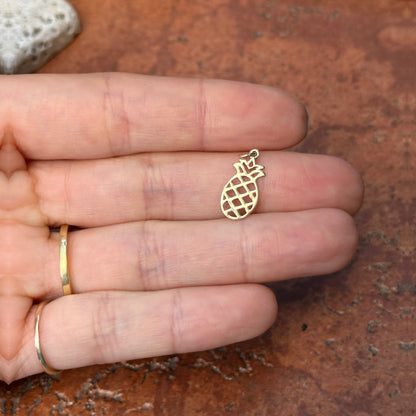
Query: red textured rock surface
[343, 344]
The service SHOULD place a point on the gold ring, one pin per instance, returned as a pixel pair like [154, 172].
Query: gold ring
[63, 260]
[46, 367]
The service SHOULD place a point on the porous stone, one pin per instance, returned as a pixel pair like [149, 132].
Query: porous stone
[33, 31]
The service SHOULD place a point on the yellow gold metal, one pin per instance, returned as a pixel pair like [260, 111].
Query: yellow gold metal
[240, 195]
[46, 367]
[63, 260]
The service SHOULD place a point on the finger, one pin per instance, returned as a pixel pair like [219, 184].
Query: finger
[103, 115]
[116, 326]
[158, 255]
[186, 186]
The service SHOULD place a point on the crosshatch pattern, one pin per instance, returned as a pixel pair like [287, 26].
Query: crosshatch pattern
[240, 194]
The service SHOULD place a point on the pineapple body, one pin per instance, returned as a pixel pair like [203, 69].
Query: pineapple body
[240, 195]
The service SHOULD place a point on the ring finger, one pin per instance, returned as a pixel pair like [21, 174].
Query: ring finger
[146, 255]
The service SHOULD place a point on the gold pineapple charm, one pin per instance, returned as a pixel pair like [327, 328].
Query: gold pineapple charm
[240, 195]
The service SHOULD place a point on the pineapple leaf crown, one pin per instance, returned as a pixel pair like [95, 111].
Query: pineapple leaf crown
[250, 168]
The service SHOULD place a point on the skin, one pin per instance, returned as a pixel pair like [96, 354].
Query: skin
[138, 164]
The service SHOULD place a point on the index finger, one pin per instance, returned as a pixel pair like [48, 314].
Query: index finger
[103, 115]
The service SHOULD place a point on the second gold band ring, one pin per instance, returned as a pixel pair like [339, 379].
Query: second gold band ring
[38, 345]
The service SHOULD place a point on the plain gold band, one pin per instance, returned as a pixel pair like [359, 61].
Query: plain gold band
[63, 260]
[46, 367]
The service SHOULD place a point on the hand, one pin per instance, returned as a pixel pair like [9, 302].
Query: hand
[139, 164]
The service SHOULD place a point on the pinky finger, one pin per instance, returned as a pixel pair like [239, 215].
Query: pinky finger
[104, 327]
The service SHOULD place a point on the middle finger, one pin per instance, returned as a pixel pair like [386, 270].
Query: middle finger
[185, 186]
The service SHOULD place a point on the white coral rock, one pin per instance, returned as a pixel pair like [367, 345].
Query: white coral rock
[33, 31]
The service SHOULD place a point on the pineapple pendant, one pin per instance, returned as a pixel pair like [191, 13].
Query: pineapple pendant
[240, 194]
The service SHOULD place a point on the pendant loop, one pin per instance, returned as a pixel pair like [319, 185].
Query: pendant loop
[254, 153]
